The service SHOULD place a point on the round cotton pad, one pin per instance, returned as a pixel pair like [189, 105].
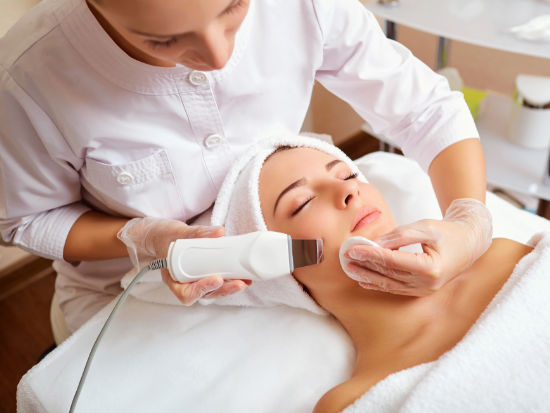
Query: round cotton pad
[351, 242]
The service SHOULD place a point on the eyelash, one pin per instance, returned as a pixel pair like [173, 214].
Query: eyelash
[168, 43]
[303, 204]
[234, 8]
[155, 43]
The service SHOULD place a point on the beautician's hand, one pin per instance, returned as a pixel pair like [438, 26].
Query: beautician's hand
[149, 238]
[450, 247]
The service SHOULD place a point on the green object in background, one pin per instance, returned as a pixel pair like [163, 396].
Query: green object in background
[474, 98]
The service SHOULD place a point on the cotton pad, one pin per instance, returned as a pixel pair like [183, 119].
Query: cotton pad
[352, 242]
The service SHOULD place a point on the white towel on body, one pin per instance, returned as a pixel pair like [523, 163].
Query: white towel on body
[237, 208]
[501, 365]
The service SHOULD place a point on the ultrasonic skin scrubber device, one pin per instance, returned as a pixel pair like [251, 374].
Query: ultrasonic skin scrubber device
[262, 255]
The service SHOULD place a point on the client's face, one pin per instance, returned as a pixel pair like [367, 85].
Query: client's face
[308, 194]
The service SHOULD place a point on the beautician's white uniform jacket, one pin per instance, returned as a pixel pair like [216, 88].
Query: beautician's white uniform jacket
[82, 125]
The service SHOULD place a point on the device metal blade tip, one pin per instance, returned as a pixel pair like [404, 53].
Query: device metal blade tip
[307, 252]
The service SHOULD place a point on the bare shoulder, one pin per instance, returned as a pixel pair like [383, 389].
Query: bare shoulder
[504, 247]
[341, 396]
[502, 256]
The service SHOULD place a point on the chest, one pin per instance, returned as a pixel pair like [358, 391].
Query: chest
[142, 137]
[465, 302]
[167, 155]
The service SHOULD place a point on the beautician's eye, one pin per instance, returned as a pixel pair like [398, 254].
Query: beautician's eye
[302, 205]
[352, 176]
[154, 44]
[234, 7]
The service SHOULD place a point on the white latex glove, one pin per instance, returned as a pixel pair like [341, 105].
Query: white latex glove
[149, 238]
[450, 247]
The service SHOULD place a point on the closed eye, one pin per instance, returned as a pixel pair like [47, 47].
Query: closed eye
[302, 205]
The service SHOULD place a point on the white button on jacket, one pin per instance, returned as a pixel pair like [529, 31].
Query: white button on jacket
[83, 125]
[198, 78]
[125, 178]
[213, 140]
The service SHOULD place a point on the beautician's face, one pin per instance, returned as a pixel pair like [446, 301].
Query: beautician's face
[327, 202]
[199, 34]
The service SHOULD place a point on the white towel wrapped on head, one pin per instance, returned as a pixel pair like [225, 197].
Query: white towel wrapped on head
[237, 208]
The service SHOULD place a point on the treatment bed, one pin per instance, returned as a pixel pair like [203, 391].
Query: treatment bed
[168, 358]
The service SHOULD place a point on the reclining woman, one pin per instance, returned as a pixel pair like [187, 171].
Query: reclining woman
[391, 332]
[308, 193]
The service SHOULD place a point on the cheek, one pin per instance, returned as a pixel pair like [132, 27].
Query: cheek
[314, 222]
[326, 226]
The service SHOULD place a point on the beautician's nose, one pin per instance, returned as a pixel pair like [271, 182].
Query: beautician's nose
[216, 47]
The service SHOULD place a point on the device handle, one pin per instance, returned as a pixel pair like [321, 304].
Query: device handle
[261, 255]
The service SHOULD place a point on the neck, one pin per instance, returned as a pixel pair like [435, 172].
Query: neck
[382, 324]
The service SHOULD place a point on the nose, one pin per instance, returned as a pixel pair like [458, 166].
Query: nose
[217, 47]
[346, 192]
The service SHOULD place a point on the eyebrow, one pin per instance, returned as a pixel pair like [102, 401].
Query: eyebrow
[177, 34]
[302, 182]
[297, 184]
[332, 164]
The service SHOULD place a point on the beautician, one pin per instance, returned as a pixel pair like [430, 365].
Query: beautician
[119, 109]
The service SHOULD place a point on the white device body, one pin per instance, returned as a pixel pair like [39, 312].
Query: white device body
[262, 255]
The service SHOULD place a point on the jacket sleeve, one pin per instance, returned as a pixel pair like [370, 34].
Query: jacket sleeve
[39, 179]
[397, 94]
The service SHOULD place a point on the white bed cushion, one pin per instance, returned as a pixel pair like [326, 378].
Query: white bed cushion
[165, 358]
[410, 196]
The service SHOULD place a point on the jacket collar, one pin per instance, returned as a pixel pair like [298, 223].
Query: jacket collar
[102, 53]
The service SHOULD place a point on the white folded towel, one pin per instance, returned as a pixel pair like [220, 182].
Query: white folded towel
[536, 30]
[237, 208]
[501, 365]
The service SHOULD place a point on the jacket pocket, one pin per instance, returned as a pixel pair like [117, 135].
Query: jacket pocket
[146, 187]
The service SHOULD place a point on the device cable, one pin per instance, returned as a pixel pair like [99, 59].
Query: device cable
[155, 265]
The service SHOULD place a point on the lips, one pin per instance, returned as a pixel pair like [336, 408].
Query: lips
[364, 216]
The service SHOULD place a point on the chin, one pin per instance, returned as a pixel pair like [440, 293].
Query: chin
[196, 66]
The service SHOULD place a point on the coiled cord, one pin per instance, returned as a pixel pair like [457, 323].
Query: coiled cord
[155, 265]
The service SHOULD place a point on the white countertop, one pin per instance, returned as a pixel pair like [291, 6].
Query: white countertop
[479, 22]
